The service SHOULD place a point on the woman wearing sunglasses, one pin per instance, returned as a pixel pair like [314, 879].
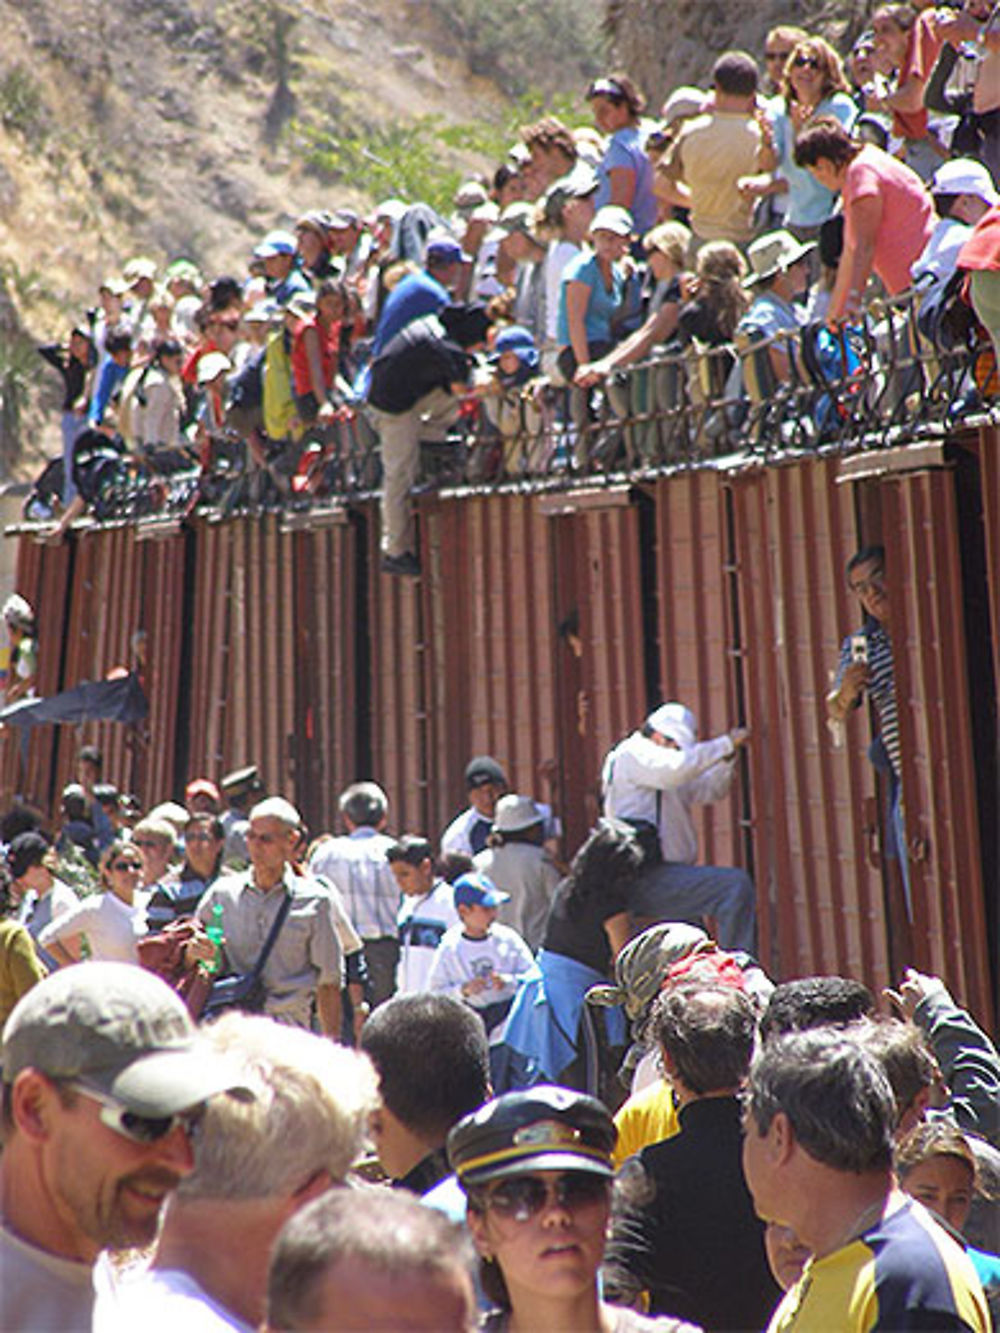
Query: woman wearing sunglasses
[536, 1170]
[813, 84]
[105, 925]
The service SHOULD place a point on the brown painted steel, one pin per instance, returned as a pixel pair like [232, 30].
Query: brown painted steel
[939, 784]
[328, 691]
[597, 600]
[524, 638]
[695, 629]
[490, 647]
[820, 900]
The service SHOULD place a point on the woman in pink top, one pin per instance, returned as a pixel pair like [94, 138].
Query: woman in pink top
[888, 213]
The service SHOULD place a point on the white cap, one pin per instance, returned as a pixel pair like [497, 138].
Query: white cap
[612, 217]
[964, 175]
[675, 722]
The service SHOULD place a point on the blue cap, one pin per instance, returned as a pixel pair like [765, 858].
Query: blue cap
[442, 248]
[517, 339]
[476, 890]
[275, 243]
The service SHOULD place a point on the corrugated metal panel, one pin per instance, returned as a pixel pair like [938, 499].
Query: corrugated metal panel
[398, 700]
[820, 901]
[43, 579]
[491, 645]
[695, 630]
[597, 603]
[939, 785]
[211, 650]
[327, 688]
[104, 612]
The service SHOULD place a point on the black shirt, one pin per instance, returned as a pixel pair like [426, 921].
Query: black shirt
[73, 372]
[575, 927]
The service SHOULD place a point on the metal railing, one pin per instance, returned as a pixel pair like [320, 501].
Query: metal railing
[811, 389]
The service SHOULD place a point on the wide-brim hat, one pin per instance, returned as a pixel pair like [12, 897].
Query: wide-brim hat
[514, 813]
[774, 253]
[540, 1129]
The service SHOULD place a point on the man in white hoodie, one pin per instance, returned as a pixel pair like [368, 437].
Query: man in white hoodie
[650, 780]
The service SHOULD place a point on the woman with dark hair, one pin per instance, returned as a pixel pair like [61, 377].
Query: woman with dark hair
[888, 214]
[20, 966]
[537, 1174]
[937, 1166]
[625, 172]
[813, 84]
[105, 926]
[588, 924]
[157, 398]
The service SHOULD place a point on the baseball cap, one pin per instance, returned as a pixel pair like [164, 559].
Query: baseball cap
[476, 890]
[443, 249]
[483, 769]
[211, 365]
[120, 1030]
[613, 218]
[675, 722]
[343, 218]
[201, 787]
[275, 243]
[541, 1129]
[963, 175]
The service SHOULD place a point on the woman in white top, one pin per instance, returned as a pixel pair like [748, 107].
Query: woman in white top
[111, 922]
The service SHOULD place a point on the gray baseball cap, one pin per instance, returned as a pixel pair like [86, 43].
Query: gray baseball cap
[120, 1030]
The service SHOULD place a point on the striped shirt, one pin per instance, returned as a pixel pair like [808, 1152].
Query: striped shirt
[881, 684]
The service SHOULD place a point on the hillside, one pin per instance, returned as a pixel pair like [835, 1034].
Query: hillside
[190, 127]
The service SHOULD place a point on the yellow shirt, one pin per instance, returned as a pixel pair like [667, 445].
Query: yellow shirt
[647, 1117]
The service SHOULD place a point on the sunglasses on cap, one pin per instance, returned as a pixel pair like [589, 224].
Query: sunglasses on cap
[131, 1124]
[606, 88]
[519, 1198]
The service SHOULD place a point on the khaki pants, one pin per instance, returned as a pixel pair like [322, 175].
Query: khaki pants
[400, 437]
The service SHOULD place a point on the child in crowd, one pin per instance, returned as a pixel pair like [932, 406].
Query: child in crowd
[480, 960]
[426, 912]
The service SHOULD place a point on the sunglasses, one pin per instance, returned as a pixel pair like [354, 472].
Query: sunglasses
[198, 837]
[522, 1197]
[132, 1125]
[146, 844]
[805, 62]
[875, 583]
[227, 323]
[134, 866]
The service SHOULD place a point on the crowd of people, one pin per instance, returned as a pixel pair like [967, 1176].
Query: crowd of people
[379, 1081]
[766, 209]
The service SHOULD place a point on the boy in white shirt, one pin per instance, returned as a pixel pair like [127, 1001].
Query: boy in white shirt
[425, 913]
[480, 960]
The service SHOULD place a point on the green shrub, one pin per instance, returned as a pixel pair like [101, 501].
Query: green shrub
[22, 106]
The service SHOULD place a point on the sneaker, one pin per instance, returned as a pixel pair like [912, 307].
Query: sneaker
[406, 564]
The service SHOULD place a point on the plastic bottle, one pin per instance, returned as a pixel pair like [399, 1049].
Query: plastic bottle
[217, 936]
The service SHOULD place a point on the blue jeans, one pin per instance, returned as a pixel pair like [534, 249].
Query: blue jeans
[673, 892]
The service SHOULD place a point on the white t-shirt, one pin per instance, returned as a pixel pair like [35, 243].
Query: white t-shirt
[111, 926]
[161, 1300]
[422, 922]
[501, 952]
[42, 1292]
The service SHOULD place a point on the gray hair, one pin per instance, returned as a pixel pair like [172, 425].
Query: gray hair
[835, 1094]
[276, 807]
[388, 1231]
[312, 1102]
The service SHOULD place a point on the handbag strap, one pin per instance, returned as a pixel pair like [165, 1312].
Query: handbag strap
[272, 936]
